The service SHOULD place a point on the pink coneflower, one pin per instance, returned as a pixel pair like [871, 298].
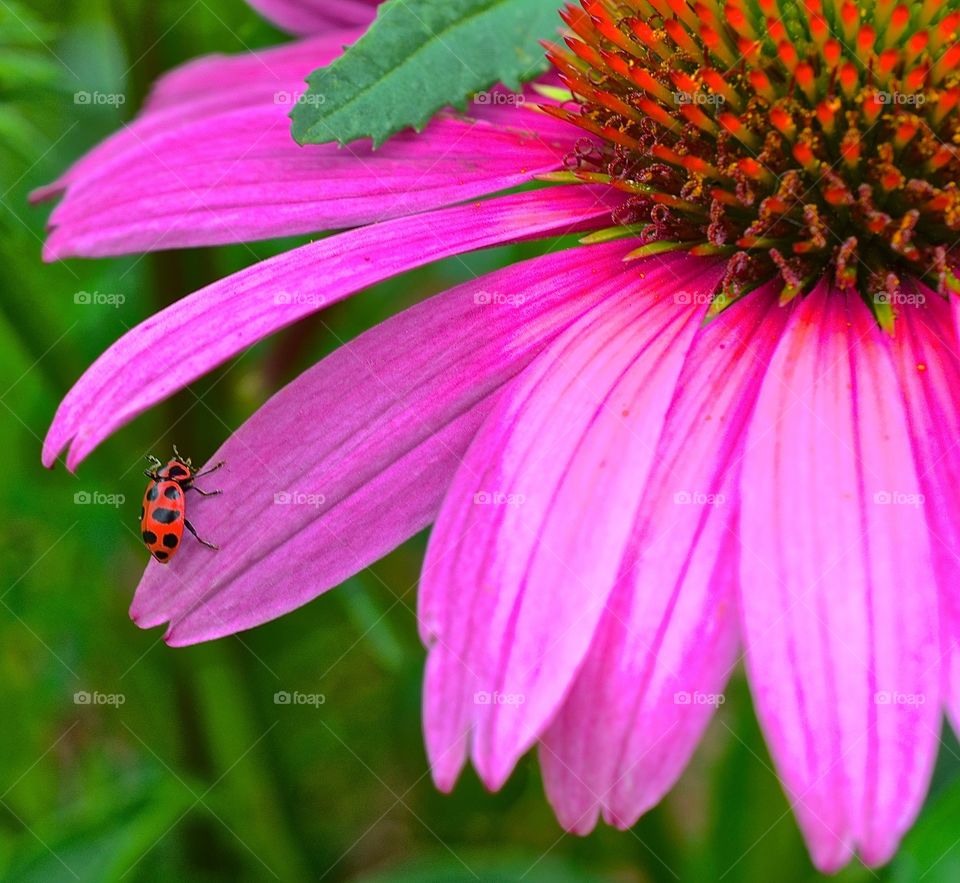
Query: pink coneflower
[723, 427]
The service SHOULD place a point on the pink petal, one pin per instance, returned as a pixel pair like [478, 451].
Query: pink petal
[269, 81]
[838, 588]
[312, 16]
[925, 351]
[669, 634]
[243, 79]
[208, 86]
[246, 179]
[210, 160]
[364, 445]
[955, 313]
[526, 547]
[194, 335]
[952, 686]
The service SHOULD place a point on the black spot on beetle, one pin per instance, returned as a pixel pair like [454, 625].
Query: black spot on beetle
[161, 556]
[172, 492]
[149, 537]
[177, 472]
[165, 516]
[170, 540]
[153, 492]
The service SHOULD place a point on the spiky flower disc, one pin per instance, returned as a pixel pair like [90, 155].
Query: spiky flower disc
[795, 138]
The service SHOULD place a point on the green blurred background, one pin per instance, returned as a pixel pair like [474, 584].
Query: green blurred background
[199, 774]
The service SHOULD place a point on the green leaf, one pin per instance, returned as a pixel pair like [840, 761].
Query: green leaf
[371, 620]
[488, 866]
[19, 27]
[103, 836]
[26, 60]
[931, 850]
[418, 57]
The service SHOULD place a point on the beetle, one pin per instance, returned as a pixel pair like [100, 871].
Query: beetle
[163, 515]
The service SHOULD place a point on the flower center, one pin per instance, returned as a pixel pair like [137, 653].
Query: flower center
[795, 137]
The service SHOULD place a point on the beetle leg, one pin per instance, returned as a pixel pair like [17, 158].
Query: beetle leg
[211, 469]
[193, 487]
[200, 539]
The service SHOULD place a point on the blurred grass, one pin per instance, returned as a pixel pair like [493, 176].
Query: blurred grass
[199, 774]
